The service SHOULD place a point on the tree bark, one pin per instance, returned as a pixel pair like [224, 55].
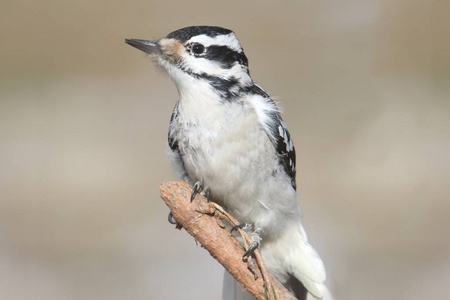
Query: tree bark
[204, 221]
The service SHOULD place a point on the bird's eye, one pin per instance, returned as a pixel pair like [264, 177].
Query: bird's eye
[198, 48]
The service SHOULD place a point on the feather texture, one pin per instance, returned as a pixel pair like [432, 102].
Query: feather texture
[227, 133]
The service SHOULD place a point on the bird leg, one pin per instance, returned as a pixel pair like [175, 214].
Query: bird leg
[254, 235]
[213, 208]
[256, 241]
[198, 189]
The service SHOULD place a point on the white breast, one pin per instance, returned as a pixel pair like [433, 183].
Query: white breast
[224, 146]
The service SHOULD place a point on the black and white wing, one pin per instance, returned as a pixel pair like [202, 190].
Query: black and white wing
[173, 137]
[271, 121]
[286, 149]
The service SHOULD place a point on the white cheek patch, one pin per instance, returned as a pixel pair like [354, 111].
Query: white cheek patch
[202, 65]
[199, 65]
[228, 40]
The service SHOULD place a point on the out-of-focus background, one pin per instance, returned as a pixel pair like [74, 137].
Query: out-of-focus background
[365, 86]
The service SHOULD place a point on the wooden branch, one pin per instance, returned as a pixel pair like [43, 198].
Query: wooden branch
[204, 221]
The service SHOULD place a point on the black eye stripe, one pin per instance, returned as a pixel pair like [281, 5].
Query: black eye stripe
[226, 56]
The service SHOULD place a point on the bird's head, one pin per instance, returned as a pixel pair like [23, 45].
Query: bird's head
[201, 53]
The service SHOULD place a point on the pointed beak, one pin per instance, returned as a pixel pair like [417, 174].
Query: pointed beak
[149, 47]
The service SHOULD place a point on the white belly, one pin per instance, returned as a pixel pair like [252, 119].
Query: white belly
[235, 160]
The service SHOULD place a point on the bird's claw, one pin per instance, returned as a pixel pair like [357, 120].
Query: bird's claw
[171, 219]
[196, 189]
[256, 241]
[244, 226]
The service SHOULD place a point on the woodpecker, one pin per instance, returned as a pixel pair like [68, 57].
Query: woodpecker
[227, 139]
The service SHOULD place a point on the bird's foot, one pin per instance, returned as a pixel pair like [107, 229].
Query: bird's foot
[198, 189]
[254, 235]
[247, 238]
[247, 227]
[256, 241]
[171, 219]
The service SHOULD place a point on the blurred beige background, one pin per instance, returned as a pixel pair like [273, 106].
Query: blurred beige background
[365, 86]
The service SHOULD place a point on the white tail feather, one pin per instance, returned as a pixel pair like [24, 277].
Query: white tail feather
[307, 266]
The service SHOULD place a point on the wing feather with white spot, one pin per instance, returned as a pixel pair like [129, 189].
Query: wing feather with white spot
[270, 119]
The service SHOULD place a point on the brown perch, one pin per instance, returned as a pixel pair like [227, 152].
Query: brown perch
[204, 221]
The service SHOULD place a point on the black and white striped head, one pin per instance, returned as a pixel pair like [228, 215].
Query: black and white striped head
[207, 53]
